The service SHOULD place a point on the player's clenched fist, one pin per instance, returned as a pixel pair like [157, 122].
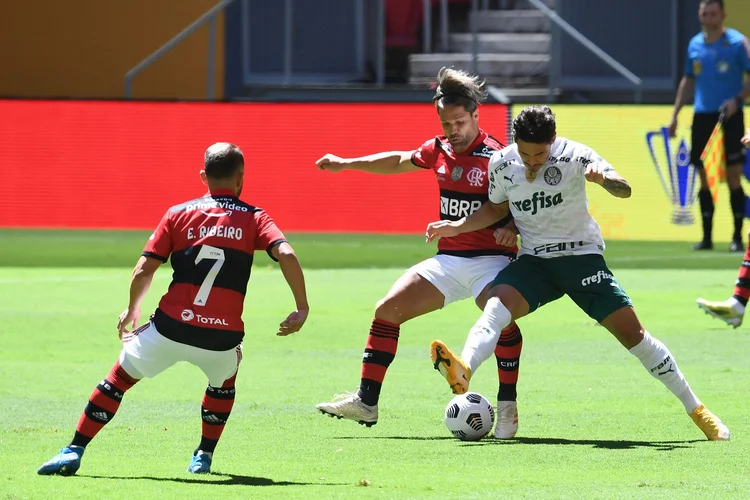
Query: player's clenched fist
[505, 237]
[746, 138]
[440, 229]
[595, 173]
[332, 163]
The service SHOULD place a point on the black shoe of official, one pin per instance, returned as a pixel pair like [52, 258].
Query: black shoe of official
[704, 245]
[736, 246]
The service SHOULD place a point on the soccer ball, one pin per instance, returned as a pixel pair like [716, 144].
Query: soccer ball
[469, 416]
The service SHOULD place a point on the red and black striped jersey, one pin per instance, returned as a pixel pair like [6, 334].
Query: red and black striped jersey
[210, 242]
[464, 186]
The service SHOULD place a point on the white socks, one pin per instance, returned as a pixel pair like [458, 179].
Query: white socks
[660, 363]
[736, 305]
[483, 336]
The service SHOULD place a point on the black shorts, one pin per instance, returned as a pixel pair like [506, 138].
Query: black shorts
[734, 129]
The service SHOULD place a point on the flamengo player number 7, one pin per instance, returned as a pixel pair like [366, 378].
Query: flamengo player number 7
[210, 253]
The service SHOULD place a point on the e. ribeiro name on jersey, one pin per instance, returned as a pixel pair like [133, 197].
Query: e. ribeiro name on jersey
[551, 213]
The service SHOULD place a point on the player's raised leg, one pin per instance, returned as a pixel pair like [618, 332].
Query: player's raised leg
[482, 340]
[732, 310]
[411, 296]
[522, 283]
[99, 411]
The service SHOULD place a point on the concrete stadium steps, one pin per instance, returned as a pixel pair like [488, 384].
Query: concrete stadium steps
[513, 52]
[489, 65]
[502, 43]
[511, 21]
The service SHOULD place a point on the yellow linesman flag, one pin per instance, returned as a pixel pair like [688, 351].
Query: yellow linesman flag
[714, 160]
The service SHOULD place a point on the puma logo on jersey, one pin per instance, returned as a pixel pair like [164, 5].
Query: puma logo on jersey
[538, 201]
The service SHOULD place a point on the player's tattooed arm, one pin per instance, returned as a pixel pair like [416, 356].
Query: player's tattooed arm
[606, 176]
[616, 184]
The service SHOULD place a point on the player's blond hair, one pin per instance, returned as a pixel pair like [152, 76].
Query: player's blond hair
[456, 87]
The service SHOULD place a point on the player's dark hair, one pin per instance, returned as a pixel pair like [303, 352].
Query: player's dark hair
[535, 124]
[222, 160]
[458, 88]
[720, 3]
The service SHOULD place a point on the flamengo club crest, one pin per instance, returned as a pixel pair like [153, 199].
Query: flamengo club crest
[677, 175]
[475, 177]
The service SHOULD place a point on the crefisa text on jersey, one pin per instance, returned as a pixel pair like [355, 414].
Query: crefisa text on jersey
[231, 232]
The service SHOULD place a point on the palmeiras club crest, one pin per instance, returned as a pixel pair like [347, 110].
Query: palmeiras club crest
[676, 174]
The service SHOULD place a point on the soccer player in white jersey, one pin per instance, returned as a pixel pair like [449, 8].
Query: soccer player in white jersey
[541, 180]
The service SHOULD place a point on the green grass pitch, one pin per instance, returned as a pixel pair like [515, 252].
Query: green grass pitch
[593, 423]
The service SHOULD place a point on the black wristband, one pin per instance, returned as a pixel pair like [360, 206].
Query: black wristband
[740, 101]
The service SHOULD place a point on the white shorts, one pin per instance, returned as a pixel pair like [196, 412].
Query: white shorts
[147, 353]
[460, 278]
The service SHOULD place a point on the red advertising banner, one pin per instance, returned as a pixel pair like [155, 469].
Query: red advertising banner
[120, 165]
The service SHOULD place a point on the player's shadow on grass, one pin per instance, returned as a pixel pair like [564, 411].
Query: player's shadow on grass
[217, 479]
[407, 438]
[596, 443]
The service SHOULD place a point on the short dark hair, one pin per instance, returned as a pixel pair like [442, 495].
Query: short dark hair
[222, 160]
[458, 88]
[535, 124]
[720, 3]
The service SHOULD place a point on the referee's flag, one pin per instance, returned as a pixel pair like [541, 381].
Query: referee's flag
[714, 160]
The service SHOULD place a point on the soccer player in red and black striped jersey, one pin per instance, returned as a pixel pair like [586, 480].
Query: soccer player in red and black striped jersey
[211, 242]
[732, 310]
[464, 265]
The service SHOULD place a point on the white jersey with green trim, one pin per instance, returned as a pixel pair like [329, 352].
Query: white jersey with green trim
[551, 212]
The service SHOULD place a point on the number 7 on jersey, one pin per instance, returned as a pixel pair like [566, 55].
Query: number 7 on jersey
[209, 253]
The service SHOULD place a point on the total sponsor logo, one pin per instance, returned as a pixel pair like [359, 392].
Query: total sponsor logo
[189, 316]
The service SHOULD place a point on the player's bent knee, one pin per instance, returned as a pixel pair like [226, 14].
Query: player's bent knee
[511, 299]
[387, 309]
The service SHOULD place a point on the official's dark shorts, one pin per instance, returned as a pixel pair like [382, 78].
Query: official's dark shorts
[584, 278]
[734, 129]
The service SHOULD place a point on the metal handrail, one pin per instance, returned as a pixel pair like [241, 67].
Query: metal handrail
[427, 26]
[209, 16]
[609, 60]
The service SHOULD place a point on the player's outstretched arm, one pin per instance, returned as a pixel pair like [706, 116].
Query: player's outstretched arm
[485, 216]
[295, 278]
[609, 179]
[140, 282]
[392, 162]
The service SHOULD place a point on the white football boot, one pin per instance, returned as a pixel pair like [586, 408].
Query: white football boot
[350, 406]
[729, 311]
[507, 420]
